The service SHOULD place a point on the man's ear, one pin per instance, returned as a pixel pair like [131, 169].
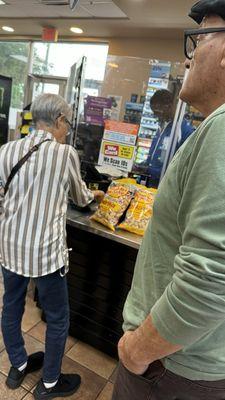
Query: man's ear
[222, 63]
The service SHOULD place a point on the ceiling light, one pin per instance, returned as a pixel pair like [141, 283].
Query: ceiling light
[2, 3]
[74, 29]
[7, 29]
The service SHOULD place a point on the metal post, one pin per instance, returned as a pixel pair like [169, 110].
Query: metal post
[29, 71]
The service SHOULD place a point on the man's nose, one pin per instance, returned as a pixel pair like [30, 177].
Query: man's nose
[187, 63]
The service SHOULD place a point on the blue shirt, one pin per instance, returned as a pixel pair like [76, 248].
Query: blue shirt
[159, 147]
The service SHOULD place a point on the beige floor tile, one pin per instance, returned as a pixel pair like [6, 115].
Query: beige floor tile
[93, 359]
[38, 332]
[113, 376]
[31, 285]
[1, 293]
[30, 294]
[31, 316]
[1, 338]
[2, 346]
[29, 397]
[70, 343]
[91, 386]
[106, 394]
[32, 345]
[7, 394]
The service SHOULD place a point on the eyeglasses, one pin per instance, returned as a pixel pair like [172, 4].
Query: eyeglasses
[193, 37]
[66, 120]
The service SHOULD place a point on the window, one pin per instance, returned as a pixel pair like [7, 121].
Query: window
[57, 58]
[13, 63]
[54, 59]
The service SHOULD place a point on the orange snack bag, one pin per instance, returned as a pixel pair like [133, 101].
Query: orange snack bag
[139, 212]
[115, 202]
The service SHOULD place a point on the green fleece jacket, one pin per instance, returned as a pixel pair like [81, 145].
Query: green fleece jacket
[180, 271]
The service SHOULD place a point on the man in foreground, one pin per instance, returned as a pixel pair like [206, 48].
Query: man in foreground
[174, 316]
[33, 241]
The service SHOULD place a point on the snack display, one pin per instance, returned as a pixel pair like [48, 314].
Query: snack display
[139, 212]
[115, 202]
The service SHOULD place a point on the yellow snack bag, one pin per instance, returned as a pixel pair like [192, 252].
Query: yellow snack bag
[115, 202]
[126, 181]
[139, 212]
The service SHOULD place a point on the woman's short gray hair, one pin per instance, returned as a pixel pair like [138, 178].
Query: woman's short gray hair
[48, 107]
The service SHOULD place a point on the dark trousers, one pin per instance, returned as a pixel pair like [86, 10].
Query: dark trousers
[160, 384]
[53, 297]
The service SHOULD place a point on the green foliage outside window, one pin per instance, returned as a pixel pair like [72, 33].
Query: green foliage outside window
[14, 63]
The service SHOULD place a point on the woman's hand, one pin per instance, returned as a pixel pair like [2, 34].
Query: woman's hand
[98, 195]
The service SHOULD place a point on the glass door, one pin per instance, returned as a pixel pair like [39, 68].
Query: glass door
[38, 84]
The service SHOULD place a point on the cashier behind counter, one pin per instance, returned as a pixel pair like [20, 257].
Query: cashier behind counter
[163, 107]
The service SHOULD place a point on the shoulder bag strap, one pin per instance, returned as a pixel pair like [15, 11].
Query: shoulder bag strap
[16, 167]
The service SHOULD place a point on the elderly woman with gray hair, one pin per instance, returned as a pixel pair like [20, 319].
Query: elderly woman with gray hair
[33, 241]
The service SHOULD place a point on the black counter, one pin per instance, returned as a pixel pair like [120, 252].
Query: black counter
[99, 279]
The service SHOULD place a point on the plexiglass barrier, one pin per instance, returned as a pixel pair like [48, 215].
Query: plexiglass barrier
[136, 121]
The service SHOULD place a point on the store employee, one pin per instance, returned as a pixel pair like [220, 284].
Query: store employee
[162, 105]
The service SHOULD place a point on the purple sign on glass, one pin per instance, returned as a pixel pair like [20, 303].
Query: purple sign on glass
[97, 109]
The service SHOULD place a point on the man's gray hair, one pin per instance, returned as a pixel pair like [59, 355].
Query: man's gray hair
[48, 107]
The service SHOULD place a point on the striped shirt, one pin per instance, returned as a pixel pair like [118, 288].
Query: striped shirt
[33, 217]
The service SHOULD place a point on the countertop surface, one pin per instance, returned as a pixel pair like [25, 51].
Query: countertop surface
[81, 219]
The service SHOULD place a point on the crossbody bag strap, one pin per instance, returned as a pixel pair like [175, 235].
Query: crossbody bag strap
[16, 167]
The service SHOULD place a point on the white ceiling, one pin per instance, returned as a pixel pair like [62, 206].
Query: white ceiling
[84, 9]
[99, 18]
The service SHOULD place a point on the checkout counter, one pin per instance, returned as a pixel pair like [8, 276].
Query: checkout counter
[101, 270]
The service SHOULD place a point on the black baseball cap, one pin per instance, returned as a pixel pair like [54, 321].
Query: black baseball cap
[207, 7]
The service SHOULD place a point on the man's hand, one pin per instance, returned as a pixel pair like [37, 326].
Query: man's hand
[140, 348]
[126, 348]
[98, 195]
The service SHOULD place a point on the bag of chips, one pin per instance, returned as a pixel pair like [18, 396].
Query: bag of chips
[139, 212]
[115, 203]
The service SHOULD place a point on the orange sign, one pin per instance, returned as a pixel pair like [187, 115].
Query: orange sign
[49, 34]
[121, 127]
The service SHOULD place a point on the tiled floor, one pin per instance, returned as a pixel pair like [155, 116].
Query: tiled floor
[96, 369]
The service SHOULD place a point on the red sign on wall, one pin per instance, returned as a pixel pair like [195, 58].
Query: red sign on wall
[49, 34]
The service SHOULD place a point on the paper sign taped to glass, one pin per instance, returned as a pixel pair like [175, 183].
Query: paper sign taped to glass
[118, 155]
[121, 132]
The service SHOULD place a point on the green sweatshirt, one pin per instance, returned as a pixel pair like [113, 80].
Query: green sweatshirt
[180, 271]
